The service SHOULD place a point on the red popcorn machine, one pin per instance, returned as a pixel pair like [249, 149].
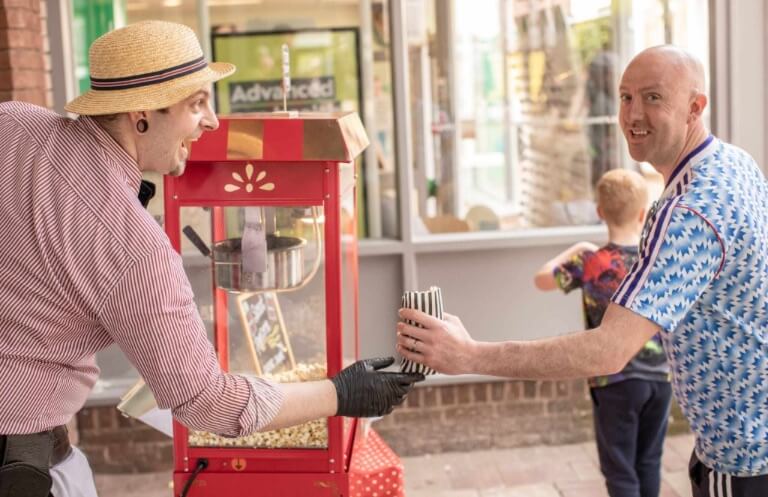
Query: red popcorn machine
[265, 220]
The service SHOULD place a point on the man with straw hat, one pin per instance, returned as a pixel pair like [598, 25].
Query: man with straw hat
[85, 266]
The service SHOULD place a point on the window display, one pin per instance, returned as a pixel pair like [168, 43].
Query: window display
[522, 105]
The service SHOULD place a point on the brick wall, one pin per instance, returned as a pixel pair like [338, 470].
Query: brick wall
[22, 67]
[499, 414]
[116, 444]
[485, 415]
[433, 420]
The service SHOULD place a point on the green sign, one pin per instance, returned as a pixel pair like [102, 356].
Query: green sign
[323, 66]
[91, 19]
[325, 76]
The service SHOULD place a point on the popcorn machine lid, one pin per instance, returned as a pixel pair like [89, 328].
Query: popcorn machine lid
[308, 137]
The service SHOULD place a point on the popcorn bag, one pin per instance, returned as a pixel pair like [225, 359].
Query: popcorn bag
[430, 302]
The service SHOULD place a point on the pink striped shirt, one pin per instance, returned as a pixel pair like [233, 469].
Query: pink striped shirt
[82, 266]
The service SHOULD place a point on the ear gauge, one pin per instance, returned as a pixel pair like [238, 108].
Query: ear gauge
[142, 126]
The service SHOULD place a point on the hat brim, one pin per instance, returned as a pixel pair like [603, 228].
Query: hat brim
[151, 97]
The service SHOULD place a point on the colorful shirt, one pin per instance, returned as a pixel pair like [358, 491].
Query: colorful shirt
[84, 266]
[599, 274]
[702, 276]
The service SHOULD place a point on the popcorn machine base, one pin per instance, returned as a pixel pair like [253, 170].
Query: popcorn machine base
[375, 471]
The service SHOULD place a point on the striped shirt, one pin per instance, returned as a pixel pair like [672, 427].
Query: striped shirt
[84, 266]
[702, 277]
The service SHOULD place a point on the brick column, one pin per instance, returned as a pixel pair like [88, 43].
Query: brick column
[22, 70]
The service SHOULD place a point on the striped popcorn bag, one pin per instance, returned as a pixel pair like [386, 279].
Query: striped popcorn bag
[430, 302]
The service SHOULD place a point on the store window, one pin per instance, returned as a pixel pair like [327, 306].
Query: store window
[340, 61]
[514, 104]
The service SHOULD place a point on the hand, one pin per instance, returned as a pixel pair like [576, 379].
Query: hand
[443, 345]
[364, 391]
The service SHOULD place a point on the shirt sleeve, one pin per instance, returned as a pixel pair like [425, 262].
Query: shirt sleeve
[570, 274]
[680, 256]
[152, 316]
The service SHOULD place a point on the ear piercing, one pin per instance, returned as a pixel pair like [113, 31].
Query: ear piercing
[142, 126]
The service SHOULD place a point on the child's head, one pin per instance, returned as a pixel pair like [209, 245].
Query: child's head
[622, 197]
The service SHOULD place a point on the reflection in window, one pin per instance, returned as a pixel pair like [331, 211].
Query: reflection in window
[523, 104]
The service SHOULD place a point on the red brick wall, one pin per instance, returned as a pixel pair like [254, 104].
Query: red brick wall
[501, 414]
[484, 415]
[433, 419]
[22, 68]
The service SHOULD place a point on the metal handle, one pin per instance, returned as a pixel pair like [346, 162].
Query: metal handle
[198, 242]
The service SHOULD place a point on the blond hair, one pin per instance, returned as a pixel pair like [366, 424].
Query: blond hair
[621, 195]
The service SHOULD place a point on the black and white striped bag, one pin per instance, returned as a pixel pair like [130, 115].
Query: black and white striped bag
[430, 302]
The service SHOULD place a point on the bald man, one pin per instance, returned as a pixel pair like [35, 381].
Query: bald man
[701, 281]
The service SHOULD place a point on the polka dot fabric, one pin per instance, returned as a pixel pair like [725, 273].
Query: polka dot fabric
[375, 471]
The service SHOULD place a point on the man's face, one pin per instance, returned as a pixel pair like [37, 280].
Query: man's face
[654, 109]
[164, 148]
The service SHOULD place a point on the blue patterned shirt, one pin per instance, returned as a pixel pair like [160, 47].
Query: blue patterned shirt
[702, 276]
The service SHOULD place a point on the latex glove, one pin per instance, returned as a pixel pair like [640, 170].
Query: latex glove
[364, 391]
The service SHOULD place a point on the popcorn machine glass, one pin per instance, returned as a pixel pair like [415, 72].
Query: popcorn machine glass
[265, 220]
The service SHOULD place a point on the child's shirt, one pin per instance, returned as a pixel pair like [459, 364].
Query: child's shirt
[599, 274]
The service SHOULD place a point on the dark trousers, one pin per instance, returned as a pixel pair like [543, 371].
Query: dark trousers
[706, 482]
[630, 425]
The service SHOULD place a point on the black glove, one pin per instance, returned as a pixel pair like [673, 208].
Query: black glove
[363, 391]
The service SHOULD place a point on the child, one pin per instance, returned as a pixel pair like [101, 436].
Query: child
[631, 407]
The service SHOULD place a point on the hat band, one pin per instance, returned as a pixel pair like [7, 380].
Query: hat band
[148, 79]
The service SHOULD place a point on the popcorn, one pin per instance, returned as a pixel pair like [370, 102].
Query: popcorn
[311, 435]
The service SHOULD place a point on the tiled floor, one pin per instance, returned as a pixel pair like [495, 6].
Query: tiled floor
[546, 471]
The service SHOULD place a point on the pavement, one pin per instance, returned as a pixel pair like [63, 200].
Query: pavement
[541, 471]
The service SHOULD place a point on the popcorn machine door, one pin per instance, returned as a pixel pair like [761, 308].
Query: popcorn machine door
[255, 272]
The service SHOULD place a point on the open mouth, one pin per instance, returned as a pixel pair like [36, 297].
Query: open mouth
[186, 144]
[638, 133]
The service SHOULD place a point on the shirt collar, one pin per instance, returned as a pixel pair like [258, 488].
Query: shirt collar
[680, 176]
[127, 165]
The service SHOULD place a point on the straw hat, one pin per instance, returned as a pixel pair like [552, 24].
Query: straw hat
[145, 66]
